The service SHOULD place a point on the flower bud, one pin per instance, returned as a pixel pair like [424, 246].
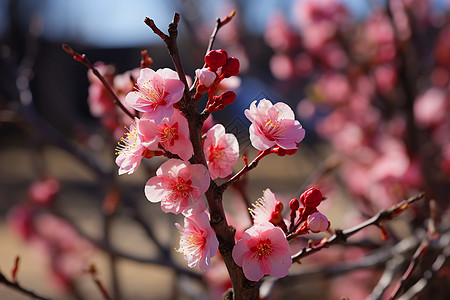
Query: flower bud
[276, 218]
[205, 76]
[279, 207]
[228, 97]
[311, 197]
[216, 59]
[294, 204]
[231, 68]
[318, 222]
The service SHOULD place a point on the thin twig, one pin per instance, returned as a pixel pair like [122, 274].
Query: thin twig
[342, 235]
[431, 272]
[101, 287]
[212, 38]
[245, 169]
[16, 286]
[85, 61]
[171, 44]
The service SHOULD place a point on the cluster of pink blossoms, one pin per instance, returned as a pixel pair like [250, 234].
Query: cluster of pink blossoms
[264, 249]
[162, 129]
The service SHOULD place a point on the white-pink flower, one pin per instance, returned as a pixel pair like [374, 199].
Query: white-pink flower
[130, 150]
[318, 222]
[178, 185]
[205, 76]
[172, 134]
[198, 242]
[221, 151]
[273, 124]
[263, 250]
[263, 208]
[156, 93]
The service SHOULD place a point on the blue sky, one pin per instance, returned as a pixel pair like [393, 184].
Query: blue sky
[115, 23]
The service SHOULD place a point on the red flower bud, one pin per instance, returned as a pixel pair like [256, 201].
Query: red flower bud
[231, 68]
[216, 59]
[311, 197]
[294, 204]
[227, 97]
[276, 218]
[279, 207]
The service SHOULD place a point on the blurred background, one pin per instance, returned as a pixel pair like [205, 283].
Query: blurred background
[368, 80]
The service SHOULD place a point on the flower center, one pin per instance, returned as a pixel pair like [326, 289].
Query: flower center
[153, 95]
[170, 134]
[192, 241]
[182, 188]
[263, 249]
[216, 153]
[128, 142]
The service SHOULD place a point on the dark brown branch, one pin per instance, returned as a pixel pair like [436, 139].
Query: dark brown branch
[16, 286]
[431, 272]
[341, 236]
[171, 44]
[245, 169]
[243, 289]
[83, 59]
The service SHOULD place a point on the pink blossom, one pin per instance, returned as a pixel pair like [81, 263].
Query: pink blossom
[124, 83]
[263, 250]
[273, 125]
[263, 208]
[221, 151]
[130, 150]
[99, 100]
[172, 134]
[44, 190]
[318, 222]
[156, 93]
[178, 185]
[198, 241]
[430, 107]
[205, 76]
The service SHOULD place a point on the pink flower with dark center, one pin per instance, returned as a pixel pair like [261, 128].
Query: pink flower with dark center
[318, 222]
[273, 124]
[221, 151]
[130, 150]
[198, 241]
[263, 250]
[178, 185]
[156, 93]
[172, 134]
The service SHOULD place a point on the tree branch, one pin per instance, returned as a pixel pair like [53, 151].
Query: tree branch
[171, 44]
[16, 286]
[212, 39]
[83, 59]
[342, 235]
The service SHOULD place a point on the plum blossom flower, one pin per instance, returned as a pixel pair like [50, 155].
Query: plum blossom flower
[263, 250]
[273, 124]
[263, 208]
[178, 185]
[130, 150]
[198, 242]
[221, 150]
[172, 134]
[318, 222]
[156, 93]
